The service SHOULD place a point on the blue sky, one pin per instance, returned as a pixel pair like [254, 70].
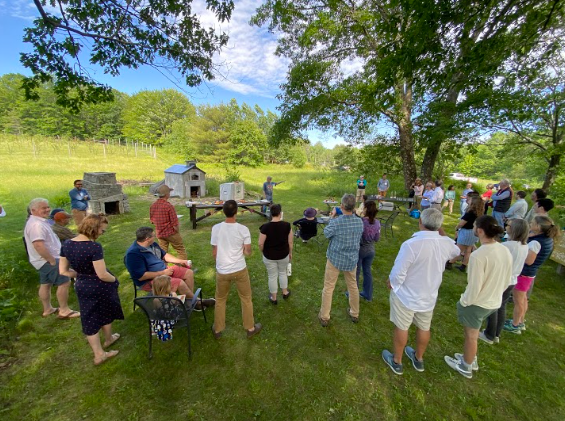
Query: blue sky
[251, 71]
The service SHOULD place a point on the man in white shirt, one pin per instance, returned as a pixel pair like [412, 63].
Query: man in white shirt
[437, 198]
[43, 247]
[520, 207]
[231, 242]
[414, 282]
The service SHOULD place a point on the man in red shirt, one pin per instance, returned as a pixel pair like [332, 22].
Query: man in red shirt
[164, 216]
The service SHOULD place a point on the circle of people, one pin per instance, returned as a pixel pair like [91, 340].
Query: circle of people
[514, 243]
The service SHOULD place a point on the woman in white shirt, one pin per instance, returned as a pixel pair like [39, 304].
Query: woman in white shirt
[518, 230]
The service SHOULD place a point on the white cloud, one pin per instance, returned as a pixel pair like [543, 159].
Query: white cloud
[248, 64]
[24, 9]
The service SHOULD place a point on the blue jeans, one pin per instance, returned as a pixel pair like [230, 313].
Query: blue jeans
[366, 256]
[499, 216]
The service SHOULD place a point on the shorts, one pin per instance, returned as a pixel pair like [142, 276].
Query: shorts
[49, 275]
[176, 279]
[403, 317]
[524, 283]
[466, 237]
[473, 316]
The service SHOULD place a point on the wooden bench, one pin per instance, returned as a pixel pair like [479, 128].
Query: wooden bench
[558, 255]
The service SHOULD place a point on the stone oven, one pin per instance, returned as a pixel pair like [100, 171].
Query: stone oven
[105, 193]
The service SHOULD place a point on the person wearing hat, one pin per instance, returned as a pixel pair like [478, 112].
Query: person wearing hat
[51, 219]
[164, 216]
[61, 220]
[308, 226]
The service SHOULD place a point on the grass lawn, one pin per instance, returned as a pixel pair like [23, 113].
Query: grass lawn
[294, 369]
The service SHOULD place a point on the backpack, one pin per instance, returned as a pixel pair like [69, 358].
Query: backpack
[415, 213]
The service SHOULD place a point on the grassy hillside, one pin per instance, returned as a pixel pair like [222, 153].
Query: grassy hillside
[295, 369]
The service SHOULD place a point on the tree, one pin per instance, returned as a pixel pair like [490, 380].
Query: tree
[247, 143]
[355, 65]
[149, 115]
[529, 104]
[163, 34]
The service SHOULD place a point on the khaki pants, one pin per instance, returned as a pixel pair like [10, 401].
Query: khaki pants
[78, 216]
[176, 241]
[330, 279]
[243, 285]
[359, 195]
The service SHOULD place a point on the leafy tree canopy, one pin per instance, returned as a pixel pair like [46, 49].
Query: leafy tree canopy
[114, 34]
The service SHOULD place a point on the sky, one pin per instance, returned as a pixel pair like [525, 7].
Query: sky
[252, 73]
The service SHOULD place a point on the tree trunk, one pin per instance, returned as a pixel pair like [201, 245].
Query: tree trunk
[551, 172]
[405, 134]
[446, 119]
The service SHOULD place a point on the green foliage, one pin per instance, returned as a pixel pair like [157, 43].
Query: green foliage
[149, 115]
[163, 34]
[232, 173]
[247, 144]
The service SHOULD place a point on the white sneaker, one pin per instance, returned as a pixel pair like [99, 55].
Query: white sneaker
[459, 366]
[474, 366]
[484, 338]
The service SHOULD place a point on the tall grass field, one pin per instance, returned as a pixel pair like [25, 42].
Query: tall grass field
[293, 370]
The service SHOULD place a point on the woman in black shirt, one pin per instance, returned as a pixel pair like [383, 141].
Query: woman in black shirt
[275, 241]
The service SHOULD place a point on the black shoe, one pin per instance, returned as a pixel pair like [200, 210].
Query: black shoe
[209, 302]
[285, 296]
[256, 329]
[274, 302]
[462, 268]
[449, 265]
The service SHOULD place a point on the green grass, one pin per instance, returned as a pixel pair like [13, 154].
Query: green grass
[294, 369]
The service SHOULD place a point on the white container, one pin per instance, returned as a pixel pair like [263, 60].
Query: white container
[289, 269]
[232, 191]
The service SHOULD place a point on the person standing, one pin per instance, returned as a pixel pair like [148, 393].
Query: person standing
[61, 220]
[44, 247]
[486, 196]
[517, 230]
[414, 282]
[79, 202]
[275, 241]
[489, 274]
[344, 233]
[164, 216]
[371, 234]
[463, 198]
[519, 209]
[437, 196]
[536, 195]
[449, 198]
[501, 201]
[361, 185]
[96, 287]
[427, 196]
[418, 188]
[231, 242]
[268, 188]
[383, 185]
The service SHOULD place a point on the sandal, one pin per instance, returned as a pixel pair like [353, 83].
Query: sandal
[55, 311]
[106, 357]
[114, 339]
[72, 315]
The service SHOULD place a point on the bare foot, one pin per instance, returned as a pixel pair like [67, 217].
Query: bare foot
[54, 310]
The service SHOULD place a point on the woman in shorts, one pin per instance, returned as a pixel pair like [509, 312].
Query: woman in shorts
[466, 238]
[540, 243]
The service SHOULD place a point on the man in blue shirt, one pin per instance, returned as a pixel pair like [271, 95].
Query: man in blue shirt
[344, 233]
[79, 202]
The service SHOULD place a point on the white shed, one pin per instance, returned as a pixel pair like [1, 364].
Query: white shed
[187, 181]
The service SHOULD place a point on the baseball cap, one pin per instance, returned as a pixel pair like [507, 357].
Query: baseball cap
[61, 216]
[163, 190]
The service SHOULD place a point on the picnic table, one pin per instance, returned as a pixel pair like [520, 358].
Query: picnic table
[397, 202]
[558, 255]
[330, 204]
[194, 206]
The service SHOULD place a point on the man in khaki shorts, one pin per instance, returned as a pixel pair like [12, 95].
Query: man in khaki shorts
[414, 282]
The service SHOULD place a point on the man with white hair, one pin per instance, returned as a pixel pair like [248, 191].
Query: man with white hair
[501, 201]
[344, 233]
[414, 282]
[43, 247]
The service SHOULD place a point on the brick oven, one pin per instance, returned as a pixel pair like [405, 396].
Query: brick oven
[106, 194]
